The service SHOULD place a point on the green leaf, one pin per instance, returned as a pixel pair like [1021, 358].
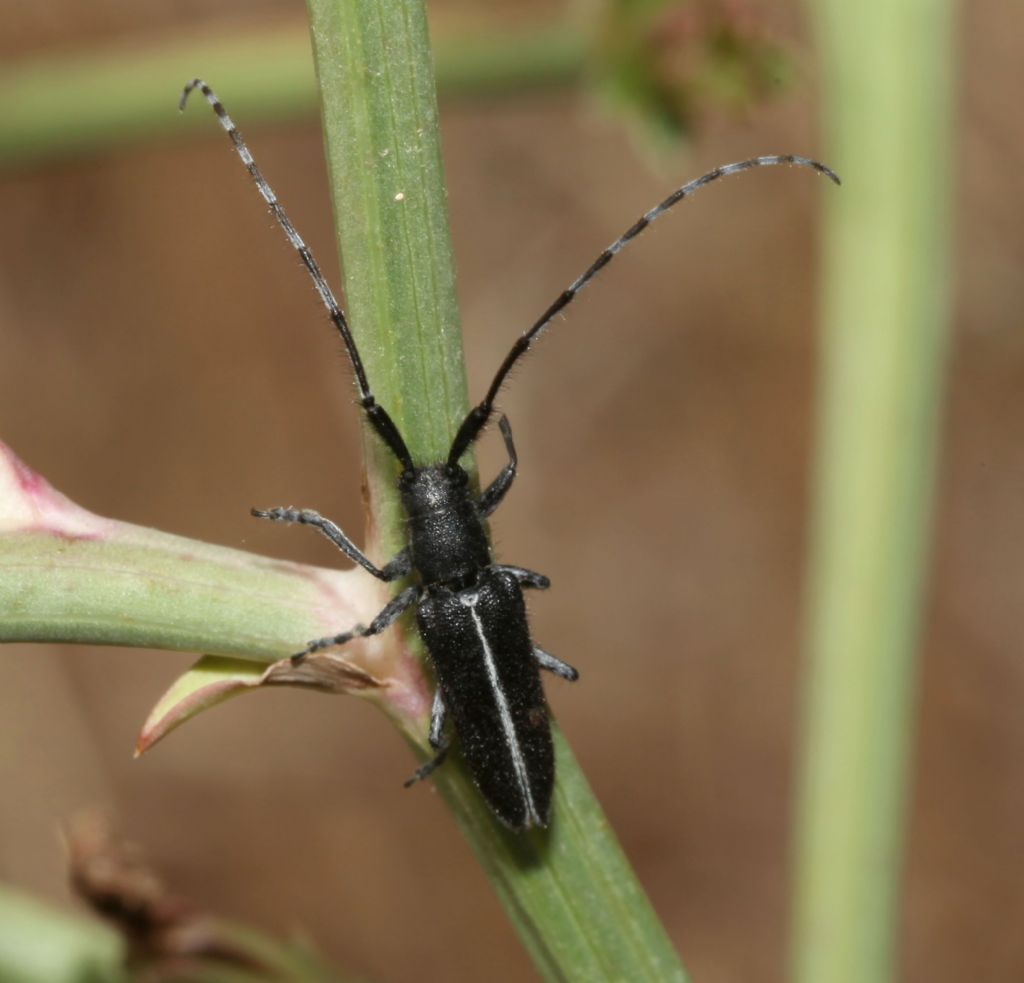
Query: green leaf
[212, 680]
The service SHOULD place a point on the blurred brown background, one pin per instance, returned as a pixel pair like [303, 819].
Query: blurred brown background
[164, 361]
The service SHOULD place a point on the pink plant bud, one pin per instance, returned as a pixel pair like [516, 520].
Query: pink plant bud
[29, 503]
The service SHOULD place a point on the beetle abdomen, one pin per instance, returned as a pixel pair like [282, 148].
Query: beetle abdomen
[479, 642]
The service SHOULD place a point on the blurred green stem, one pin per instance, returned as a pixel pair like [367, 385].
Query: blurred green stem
[568, 890]
[887, 67]
[39, 944]
[68, 105]
[42, 944]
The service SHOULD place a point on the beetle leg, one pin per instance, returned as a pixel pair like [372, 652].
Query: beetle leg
[526, 578]
[397, 568]
[431, 766]
[553, 664]
[437, 718]
[387, 617]
[436, 738]
[495, 492]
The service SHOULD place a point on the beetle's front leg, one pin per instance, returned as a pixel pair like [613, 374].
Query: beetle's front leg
[395, 570]
[495, 492]
[387, 617]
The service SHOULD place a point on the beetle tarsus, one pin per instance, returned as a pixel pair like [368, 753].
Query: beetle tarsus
[425, 770]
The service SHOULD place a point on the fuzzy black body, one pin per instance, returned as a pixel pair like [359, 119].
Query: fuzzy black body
[472, 617]
[481, 650]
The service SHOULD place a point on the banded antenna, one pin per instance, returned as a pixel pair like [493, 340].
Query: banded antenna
[477, 418]
[378, 417]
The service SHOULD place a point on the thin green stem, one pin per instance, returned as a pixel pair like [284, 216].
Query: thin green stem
[144, 588]
[41, 945]
[568, 890]
[61, 106]
[887, 68]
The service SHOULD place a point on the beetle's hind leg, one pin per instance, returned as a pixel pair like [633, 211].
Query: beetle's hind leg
[396, 569]
[553, 664]
[425, 771]
[387, 617]
[436, 738]
[526, 578]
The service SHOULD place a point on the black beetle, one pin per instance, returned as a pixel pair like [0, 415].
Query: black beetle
[469, 609]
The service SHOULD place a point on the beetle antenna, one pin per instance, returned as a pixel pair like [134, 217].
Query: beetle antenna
[477, 418]
[378, 417]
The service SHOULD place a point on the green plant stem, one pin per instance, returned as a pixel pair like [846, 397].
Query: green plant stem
[52, 107]
[887, 112]
[42, 944]
[568, 890]
[39, 944]
[150, 589]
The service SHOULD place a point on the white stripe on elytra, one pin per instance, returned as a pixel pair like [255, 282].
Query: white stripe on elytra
[469, 600]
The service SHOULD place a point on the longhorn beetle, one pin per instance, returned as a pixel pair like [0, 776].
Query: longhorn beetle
[469, 609]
